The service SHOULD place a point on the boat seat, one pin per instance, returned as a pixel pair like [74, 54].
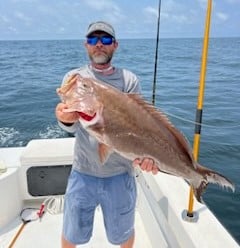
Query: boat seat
[42, 152]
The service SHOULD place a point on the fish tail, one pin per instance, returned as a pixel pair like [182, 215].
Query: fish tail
[210, 176]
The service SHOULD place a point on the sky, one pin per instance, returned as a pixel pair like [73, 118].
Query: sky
[69, 19]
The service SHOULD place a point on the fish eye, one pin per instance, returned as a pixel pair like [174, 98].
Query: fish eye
[85, 86]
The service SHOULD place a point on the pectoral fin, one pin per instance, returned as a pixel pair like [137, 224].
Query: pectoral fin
[104, 152]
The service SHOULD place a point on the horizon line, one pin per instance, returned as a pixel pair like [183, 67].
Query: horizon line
[136, 38]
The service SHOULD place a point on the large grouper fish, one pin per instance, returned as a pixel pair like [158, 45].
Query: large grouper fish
[126, 124]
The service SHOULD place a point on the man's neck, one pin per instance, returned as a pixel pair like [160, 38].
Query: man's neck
[104, 69]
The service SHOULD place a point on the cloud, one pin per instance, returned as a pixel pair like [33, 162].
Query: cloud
[107, 9]
[203, 3]
[232, 1]
[104, 5]
[12, 29]
[150, 11]
[222, 16]
[61, 30]
[172, 6]
[101, 4]
[150, 15]
[21, 16]
[24, 1]
[180, 18]
[4, 19]
[173, 12]
[130, 19]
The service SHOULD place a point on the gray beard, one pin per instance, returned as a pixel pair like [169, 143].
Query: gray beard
[101, 60]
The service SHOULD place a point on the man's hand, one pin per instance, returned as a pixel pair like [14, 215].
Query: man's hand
[65, 117]
[146, 164]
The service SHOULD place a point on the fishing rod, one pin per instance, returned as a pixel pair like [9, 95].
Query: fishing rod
[189, 215]
[198, 120]
[156, 55]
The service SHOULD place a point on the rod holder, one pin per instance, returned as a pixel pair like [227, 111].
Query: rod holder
[190, 217]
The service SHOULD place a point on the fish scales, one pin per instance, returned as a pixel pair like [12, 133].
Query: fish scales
[126, 124]
[138, 129]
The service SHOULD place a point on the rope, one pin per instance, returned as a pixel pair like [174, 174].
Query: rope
[54, 204]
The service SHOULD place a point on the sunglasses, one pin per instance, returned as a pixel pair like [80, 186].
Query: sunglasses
[105, 40]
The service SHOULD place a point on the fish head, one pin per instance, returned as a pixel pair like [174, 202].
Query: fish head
[80, 96]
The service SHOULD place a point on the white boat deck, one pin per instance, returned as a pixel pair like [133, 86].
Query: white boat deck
[47, 233]
[161, 201]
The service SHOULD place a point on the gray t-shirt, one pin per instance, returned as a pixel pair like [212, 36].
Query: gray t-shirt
[86, 158]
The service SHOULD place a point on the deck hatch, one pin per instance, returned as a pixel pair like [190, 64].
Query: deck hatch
[47, 180]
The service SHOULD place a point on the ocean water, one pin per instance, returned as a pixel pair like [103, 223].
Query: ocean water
[30, 72]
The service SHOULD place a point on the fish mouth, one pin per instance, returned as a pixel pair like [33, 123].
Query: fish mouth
[86, 117]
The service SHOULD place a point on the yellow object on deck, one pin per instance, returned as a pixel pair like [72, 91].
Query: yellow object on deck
[198, 121]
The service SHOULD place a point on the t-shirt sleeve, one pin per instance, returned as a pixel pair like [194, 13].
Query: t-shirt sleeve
[131, 81]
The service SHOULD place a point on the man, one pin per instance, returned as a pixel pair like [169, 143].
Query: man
[111, 185]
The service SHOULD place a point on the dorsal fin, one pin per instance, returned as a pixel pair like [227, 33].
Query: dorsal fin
[161, 117]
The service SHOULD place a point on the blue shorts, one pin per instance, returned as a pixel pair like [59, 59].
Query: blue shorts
[117, 197]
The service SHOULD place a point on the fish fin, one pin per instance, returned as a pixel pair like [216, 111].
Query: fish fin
[198, 191]
[210, 176]
[104, 152]
[68, 84]
[180, 138]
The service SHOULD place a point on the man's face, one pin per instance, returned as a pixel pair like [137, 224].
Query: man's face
[101, 47]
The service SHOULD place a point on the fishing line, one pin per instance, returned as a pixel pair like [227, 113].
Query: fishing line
[202, 124]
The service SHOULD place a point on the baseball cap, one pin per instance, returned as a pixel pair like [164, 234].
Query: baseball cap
[101, 26]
